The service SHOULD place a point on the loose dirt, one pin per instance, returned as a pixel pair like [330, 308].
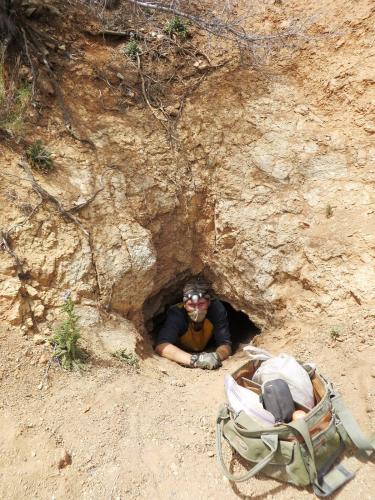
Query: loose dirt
[148, 433]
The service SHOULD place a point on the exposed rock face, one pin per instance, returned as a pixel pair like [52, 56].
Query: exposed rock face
[270, 192]
[291, 206]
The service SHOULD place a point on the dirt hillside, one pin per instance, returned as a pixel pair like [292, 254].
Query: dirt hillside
[258, 173]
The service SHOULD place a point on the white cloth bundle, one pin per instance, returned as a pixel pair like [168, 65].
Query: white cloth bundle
[241, 399]
[287, 368]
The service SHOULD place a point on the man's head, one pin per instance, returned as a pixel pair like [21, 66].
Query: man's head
[196, 297]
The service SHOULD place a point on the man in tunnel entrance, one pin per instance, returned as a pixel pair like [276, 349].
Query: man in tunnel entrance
[191, 325]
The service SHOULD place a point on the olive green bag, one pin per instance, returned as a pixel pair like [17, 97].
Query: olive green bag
[302, 452]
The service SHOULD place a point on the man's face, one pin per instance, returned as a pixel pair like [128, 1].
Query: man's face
[197, 309]
[201, 304]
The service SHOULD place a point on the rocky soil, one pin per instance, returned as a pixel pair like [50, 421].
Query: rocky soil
[147, 432]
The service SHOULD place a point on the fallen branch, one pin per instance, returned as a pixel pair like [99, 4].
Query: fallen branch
[223, 28]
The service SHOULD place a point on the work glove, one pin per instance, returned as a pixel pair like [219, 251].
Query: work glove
[208, 361]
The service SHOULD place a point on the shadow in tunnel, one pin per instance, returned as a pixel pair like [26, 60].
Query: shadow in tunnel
[242, 329]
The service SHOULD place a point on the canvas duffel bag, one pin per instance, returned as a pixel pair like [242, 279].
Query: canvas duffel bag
[302, 452]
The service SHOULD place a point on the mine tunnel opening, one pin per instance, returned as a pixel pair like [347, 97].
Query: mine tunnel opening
[242, 329]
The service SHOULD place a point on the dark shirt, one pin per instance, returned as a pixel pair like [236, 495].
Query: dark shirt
[178, 328]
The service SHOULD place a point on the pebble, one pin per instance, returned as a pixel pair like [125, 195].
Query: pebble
[44, 358]
[29, 323]
[38, 339]
[65, 460]
[177, 383]
[210, 454]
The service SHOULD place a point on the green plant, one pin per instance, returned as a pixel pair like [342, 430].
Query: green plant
[176, 26]
[38, 157]
[14, 102]
[329, 211]
[126, 357]
[132, 49]
[65, 340]
[335, 333]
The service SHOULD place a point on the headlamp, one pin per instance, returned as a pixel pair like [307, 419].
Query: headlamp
[195, 296]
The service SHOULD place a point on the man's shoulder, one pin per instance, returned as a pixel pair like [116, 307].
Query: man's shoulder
[177, 311]
[216, 308]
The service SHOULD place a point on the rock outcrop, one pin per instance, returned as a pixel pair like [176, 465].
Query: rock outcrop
[269, 191]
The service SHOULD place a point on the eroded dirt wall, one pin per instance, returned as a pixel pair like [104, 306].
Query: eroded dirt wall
[287, 157]
[270, 189]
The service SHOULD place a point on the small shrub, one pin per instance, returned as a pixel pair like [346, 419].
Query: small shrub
[13, 105]
[176, 26]
[335, 333]
[329, 211]
[126, 357]
[39, 158]
[132, 49]
[65, 340]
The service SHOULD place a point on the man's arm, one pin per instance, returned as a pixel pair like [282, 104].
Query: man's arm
[224, 351]
[173, 353]
[219, 318]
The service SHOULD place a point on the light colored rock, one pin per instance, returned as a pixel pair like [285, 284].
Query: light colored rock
[88, 316]
[44, 359]
[33, 293]
[38, 311]
[29, 323]
[39, 339]
[10, 287]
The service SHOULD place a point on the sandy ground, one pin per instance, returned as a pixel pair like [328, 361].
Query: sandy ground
[148, 433]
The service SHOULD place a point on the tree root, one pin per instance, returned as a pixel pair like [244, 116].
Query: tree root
[45, 195]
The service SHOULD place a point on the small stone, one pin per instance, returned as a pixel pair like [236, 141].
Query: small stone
[65, 460]
[44, 359]
[369, 127]
[39, 311]
[210, 454]
[31, 291]
[38, 339]
[29, 323]
[177, 383]
[120, 76]
[201, 64]
[173, 110]
[40, 386]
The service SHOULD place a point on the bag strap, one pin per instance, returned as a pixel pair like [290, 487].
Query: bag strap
[270, 440]
[326, 484]
[351, 427]
[301, 428]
